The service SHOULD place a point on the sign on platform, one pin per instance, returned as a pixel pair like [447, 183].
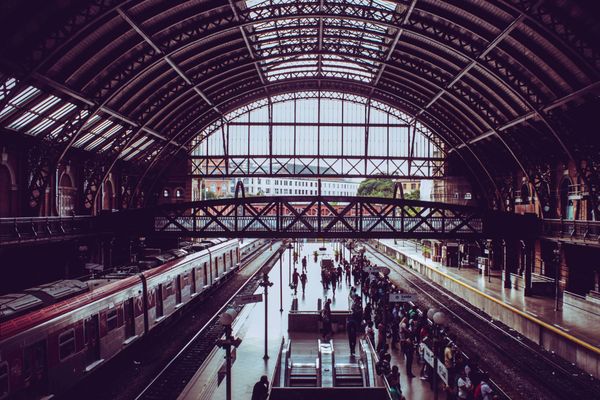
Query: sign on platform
[442, 371]
[249, 298]
[428, 355]
[401, 297]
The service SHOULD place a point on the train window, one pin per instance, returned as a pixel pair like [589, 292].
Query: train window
[168, 288]
[111, 320]
[3, 380]
[66, 344]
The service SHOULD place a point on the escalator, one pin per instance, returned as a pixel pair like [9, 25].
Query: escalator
[349, 375]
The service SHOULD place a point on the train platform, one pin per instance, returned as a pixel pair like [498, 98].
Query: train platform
[249, 364]
[578, 323]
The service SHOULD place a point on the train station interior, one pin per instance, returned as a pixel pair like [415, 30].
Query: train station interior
[308, 199]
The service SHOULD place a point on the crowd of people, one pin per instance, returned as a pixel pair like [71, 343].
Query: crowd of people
[392, 328]
[403, 328]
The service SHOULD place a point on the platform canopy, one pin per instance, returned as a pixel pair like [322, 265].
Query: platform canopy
[504, 84]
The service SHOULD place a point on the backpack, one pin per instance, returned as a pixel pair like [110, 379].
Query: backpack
[477, 393]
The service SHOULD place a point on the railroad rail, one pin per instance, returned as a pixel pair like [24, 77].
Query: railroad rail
[173, 378]
[559, 377]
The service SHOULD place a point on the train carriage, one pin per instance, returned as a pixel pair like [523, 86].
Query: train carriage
[50, 349]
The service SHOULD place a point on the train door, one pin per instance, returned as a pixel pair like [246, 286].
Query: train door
[34, 368]
[193, 287]
[178, 289]
[129, 318]
[205, 274]
[232, 264]
[159, 301]
[92, 339]
[224, 262]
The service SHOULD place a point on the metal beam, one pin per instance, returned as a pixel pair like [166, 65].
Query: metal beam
[336, 216]
[166, 58]
[491, 45]
[392, 47]
[81, 98]
[344, 124]
[320, 57]
[532, 114]
[249, 47]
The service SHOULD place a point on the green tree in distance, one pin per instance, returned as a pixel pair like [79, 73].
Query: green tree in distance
[374, 187]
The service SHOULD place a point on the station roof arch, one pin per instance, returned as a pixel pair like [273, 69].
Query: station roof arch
[511, 82]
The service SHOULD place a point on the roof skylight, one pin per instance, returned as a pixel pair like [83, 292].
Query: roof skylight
[358, 45]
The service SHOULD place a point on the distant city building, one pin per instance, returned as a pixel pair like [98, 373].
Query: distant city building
[296, 186]
[410, 185]
[273, 187]
[218, 188]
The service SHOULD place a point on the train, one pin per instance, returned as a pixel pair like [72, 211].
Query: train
[46, 351]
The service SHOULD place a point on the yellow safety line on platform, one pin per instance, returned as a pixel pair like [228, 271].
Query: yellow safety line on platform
[513, 309]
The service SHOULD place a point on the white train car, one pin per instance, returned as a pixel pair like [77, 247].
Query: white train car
[46, 351]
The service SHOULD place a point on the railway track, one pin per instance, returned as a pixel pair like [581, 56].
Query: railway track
[174, 377]
[552, 377]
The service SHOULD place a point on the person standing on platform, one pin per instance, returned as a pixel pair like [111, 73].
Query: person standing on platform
[261, 389]
[340, 274]
[370, 332]
[303, 279]
[483, 391]
[464, 385]
[326, 317]
[304, 262]
[394, 382]
[409, 352]
[295, 277]
[381, 339]
[351, 328]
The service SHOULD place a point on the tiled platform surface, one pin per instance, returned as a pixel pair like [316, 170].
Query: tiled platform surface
[249, 326]
[581, 324]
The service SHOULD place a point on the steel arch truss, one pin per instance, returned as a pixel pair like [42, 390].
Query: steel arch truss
[334, 217]
[171, 68]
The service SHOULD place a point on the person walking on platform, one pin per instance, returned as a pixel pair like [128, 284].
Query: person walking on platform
[261, 389]
[303, 279]
[295, 277]
[409, 352]
[304, 262]
[351, 328]
[324, 279]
